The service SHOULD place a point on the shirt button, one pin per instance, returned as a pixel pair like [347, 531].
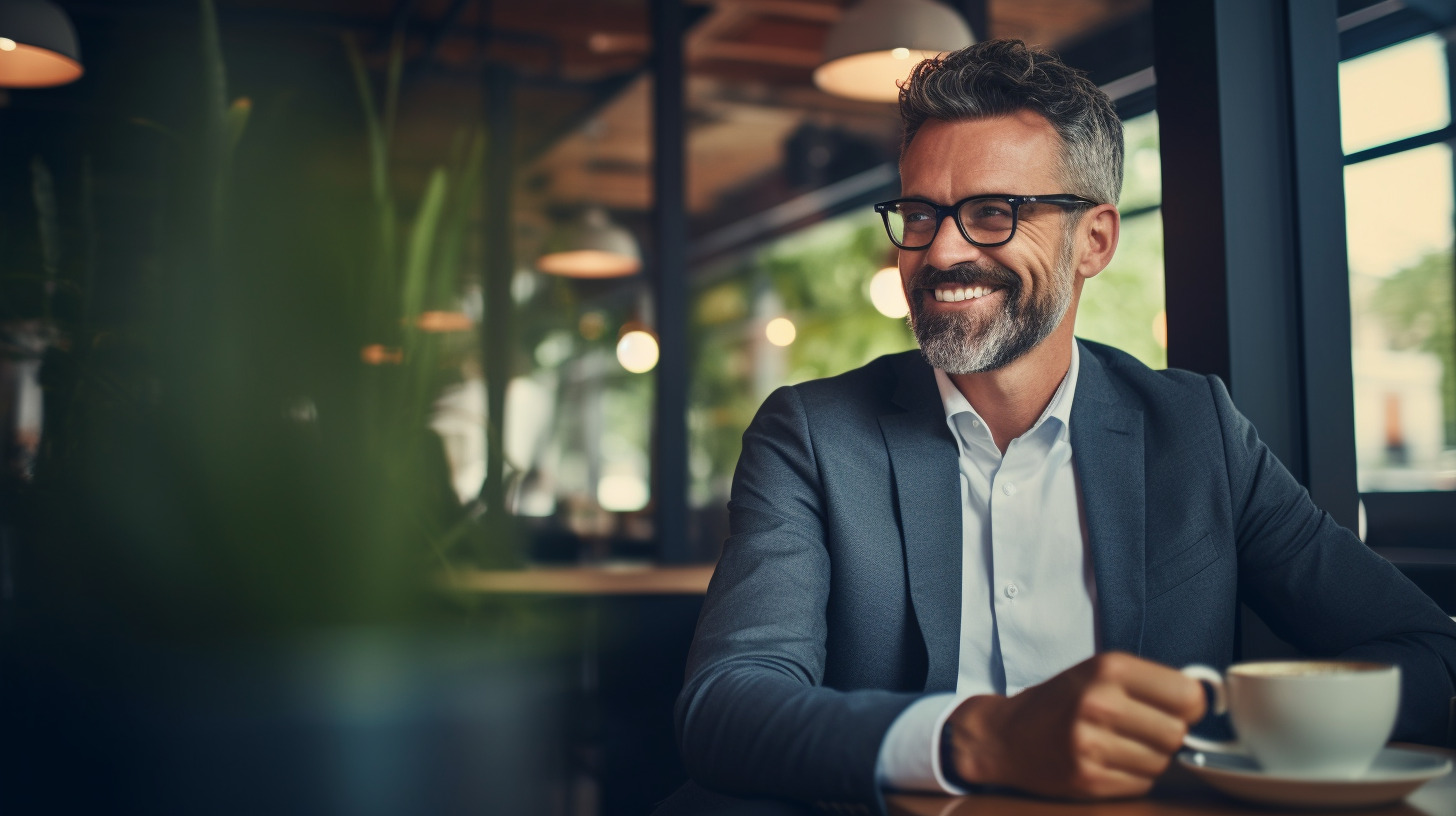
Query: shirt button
[1009, 488]
[1011, 590]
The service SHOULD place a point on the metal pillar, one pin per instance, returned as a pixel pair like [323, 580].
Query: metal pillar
[496, 336]
[1253, 215]
[669, 264]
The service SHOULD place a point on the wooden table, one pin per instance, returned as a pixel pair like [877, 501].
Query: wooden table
[1178, 794]
[599, 580]
[633, 624]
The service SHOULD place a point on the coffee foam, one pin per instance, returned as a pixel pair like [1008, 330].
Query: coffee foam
[1306, 668]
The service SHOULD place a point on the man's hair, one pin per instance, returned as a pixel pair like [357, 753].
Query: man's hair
[1004, 77]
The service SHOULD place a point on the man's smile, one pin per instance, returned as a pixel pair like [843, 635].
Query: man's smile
[955, 293]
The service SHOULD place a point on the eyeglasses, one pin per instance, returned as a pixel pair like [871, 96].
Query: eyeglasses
[984, 220]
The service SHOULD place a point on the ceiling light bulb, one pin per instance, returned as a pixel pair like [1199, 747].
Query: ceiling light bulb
[593, 247]
[39, 49]
[874, 46]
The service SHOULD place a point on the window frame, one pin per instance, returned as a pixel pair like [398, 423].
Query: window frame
[1424, 519]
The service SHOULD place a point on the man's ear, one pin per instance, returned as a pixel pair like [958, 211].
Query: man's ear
[1100, 229]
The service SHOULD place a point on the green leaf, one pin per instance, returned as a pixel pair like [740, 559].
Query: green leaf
[214, 69]
[455, 224]
[378, 144]
[392, 83]
[234, 124]
[422, 243]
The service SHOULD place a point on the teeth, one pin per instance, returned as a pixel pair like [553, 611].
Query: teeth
[958, 295]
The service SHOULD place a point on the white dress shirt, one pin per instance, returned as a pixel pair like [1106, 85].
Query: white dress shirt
[1028, 597]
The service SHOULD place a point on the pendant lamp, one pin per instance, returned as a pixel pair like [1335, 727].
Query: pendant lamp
[38, 47]
[876, 43]
[593, 247]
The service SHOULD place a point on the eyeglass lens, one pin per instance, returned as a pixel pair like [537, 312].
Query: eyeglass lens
[986, 220]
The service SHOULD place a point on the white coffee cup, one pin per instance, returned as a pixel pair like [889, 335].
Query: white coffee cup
[1309, 718]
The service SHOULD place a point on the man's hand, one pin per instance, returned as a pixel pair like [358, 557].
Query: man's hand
[1104, 728]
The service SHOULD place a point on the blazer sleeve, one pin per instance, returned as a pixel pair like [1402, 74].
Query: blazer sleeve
[753, 717]
[1320, 588]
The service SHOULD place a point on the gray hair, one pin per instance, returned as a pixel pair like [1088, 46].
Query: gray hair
[1004, 77]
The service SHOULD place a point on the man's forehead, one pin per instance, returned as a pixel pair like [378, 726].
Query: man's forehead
[996, 151]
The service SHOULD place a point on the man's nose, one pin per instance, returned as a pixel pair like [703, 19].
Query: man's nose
[950, 247]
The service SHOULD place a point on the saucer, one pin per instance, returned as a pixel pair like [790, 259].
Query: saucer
[1394, 773]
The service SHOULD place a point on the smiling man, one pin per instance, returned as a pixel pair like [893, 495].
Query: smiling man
[980, 564]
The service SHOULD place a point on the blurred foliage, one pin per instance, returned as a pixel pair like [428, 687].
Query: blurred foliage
[1142, 177]
[1417, 307]
[219, 459]
[1120, 305]
[819, 279]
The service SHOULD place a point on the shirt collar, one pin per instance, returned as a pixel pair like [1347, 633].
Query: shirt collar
[1060, 407]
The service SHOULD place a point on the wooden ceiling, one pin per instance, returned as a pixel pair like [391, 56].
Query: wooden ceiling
[582, 87]
[749, 85]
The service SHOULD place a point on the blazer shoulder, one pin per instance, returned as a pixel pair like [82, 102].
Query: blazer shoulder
[1132, 378]
[871, 387]
[1173, 401]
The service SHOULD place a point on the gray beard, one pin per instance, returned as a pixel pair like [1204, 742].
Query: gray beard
[960, 343]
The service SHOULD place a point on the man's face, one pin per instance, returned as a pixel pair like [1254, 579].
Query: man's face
[973, 308]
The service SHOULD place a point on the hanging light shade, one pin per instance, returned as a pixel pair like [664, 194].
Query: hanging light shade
[876, 43]
[38, 47]
[593, 247]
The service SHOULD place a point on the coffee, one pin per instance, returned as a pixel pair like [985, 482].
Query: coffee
[1300, 668]
[1307, 718]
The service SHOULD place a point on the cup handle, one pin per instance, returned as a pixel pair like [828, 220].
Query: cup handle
[1210, 676]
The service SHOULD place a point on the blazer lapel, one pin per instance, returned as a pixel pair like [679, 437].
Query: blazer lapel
[926, 480]
[1107, 444]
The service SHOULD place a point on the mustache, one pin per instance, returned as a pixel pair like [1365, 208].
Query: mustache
[965, 274]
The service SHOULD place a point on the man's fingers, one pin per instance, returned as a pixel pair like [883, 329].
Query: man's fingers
[1134, 757]
[1117, 731]
[1117, 774]
[1157, 685]
[1158, 730]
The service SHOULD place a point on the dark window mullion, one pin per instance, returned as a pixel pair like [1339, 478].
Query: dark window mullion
[1445, 134]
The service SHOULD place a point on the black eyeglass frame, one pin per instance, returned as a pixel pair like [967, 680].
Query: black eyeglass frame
[952, 211]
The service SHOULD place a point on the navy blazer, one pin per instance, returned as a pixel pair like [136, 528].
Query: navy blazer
[836, 602]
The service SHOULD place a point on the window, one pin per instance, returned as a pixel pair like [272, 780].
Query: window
[803, 306]
[1123, 306]
[1396, 117]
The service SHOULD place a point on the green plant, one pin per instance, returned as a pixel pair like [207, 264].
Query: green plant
[224, 461]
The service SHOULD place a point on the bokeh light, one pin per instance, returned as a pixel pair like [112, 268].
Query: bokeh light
[887, 294]
[622, 491]
[780, 331]
[637, 351]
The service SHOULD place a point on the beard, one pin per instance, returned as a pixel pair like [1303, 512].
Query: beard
[960, 343]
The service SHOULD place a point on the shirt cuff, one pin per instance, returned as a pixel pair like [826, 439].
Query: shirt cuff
[910, 754]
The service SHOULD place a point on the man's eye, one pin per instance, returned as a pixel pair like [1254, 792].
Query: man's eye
[987, 212]
[917, 220]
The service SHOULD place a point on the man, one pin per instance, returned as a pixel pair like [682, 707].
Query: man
[981, 564]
